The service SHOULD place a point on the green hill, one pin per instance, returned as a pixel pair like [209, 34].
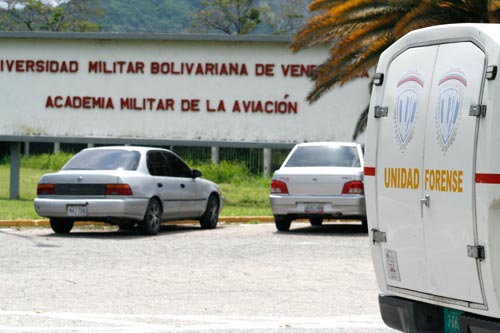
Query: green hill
[168, 16]
[174, 16]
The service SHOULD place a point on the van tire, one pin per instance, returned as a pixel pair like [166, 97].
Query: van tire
[282, 222]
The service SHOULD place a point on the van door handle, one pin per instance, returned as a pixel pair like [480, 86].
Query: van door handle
[425, 201]
[182, 185]
[160, 185]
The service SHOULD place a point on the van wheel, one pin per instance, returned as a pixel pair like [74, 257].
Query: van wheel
[282, 222]
[152, 219]
[61, 226]
[316, 221]
[209, 219]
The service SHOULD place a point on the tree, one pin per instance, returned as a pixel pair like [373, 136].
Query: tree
[284, 16]
[35, 15]
[228, 16]
[358, 31]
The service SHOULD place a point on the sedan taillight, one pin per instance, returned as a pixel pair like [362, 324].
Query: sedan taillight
[45, 189]
[353, 187]
[278, 186]
[118, 189]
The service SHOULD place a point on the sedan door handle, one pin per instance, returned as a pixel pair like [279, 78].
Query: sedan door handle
[183, 186]
[160, 185]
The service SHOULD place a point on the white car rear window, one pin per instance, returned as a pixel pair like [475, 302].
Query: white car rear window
[104, 160]
[324, 156]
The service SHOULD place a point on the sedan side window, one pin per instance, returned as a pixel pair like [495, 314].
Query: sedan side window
[157, 165]
[178, 167]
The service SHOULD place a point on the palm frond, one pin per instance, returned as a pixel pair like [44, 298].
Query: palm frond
[493, 5]
[317, 5]
[358, 31]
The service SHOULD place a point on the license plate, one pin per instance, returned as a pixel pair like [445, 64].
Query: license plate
[77, 210]
[451, 320]
[314, 207]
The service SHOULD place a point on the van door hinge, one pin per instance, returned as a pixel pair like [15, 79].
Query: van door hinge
[378, 236]
[477, 110]
[381, 111]
[476, 252]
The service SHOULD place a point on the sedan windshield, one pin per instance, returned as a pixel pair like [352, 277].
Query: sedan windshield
[104, 160]
[324, 156]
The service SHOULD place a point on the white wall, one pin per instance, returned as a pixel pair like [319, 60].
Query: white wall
[33, 98]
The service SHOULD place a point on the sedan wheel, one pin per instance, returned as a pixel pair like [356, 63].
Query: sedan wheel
[364, 224]
[209, 219]
[152, 219]
[316, 221]
[61, 226]
[282, 222]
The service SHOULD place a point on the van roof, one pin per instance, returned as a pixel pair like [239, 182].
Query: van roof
[485, 35]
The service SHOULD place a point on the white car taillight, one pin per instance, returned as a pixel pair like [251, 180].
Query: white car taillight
[118, 189]
[45, 189]
[353, 187]
[278, 186]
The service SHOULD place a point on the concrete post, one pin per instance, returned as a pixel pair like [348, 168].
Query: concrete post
[215, 155]
[267, 162]
[57, 147]
[27, 148]
[15, 169]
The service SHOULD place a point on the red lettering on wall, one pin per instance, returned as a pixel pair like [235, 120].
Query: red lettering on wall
[297, 70]
[190, 105]
[79, 102]
[116, 67]
[264, 69]
[38, 66]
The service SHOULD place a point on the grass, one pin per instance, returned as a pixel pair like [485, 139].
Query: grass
[244, 194]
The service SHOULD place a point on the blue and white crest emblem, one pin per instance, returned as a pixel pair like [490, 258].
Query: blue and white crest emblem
[449, 108]
[407, 107]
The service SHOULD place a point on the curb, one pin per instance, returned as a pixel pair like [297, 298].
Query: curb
[45, 223]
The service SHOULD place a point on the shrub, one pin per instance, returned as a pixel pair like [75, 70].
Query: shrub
[46, 161]
[224, 172]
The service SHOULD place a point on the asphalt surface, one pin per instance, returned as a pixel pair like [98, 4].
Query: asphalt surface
[236, 278]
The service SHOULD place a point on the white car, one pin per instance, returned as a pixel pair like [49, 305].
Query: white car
[317, 181]
[127, 186]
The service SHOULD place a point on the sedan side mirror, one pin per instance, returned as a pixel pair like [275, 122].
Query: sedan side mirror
[196, 173]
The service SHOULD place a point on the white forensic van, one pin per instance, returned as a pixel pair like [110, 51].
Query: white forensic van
[432, 180]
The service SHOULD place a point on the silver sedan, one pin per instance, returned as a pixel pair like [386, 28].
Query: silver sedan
[317, 181]
[127, 186]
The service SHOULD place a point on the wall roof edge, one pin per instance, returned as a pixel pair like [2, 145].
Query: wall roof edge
[147, 37]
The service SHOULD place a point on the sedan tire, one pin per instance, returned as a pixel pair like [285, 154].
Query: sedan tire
[61, 226]
[210, 218]
[316, 221]
[364, 224]
[152, 219]
[282, 222]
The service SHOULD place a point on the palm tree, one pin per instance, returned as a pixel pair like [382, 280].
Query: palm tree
[358, 31]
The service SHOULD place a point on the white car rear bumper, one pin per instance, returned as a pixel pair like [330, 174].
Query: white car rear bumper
[126, 208]
[335, 206]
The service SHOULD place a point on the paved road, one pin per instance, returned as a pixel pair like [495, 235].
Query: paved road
[236, 278]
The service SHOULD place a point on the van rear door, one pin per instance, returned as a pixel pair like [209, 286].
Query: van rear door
[449, 172]
[425, 171]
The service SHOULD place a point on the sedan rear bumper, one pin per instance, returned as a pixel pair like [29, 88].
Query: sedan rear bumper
[333, 206]
[126, 208]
